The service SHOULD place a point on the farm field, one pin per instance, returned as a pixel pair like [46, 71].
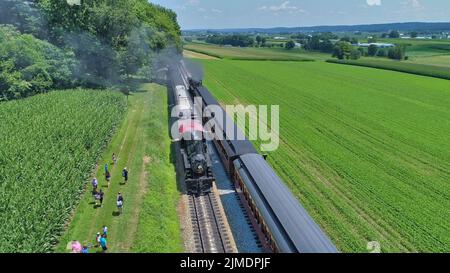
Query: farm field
[251, 53]
[149, 222]
[424, 69]
[50, 143]
[422, 48]
[438, 60]
[366, 151]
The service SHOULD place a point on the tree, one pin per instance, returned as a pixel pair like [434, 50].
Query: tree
[263, 41]
[30, 66]
[111, 39]
[290, 45]
[372, 50]
[414, 34]
[342, 50]
[23, 15]
[381, 53]
[394, 34]
[355, 54]
[326, 46]
[397, 53]
[372, 39]
[258, 40]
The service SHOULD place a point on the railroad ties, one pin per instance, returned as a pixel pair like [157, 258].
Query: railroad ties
[209, 229]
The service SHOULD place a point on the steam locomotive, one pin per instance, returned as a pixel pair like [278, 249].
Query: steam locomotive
[195, 158]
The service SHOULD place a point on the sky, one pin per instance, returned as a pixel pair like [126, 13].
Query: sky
[216, 14]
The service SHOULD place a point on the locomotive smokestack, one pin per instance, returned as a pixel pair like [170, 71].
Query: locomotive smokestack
[195, 69]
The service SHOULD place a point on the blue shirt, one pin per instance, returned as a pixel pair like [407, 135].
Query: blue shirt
[103, 242]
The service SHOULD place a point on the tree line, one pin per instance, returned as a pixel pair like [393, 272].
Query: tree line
[46, 44]
[232, 40]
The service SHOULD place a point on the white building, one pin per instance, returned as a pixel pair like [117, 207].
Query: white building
[380, 45]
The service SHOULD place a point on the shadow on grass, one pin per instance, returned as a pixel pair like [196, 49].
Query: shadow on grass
[116, 213]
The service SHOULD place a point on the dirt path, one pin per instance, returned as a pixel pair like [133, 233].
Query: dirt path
[196, 55]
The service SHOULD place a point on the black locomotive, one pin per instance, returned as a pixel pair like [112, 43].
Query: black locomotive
[196, 160]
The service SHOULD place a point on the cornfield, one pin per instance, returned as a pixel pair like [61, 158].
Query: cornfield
[49, 145]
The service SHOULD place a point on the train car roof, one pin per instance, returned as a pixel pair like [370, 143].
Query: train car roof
[208, 98]
[240, 144]
[306, 235]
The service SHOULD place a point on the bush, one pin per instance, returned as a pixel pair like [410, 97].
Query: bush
[29, 66]
[397, 53]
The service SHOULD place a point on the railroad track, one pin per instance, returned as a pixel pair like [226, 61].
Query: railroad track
[208, 224]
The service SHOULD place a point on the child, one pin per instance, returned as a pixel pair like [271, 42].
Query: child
[114, 158]
[85, 250]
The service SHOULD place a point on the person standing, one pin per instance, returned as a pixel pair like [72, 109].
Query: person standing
[94, 183]
[120, 203]
[95, 196]
[97, 239]
[106, 168]
[108, 177]
[105, 231]
[125, 175]
[100, 197]
[114, 158]
[103, 243]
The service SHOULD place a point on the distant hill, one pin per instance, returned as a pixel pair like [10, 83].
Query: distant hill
[411, 26]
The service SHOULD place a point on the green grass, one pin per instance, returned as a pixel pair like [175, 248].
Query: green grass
[149, 222]
[407, 67]
[251, 53]
[49, 144]
[366, 151]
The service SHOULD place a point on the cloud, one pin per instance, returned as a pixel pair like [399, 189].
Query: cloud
[216, 10]
[284, 7]
[373, 2]
[192, 2]
[415, 4]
